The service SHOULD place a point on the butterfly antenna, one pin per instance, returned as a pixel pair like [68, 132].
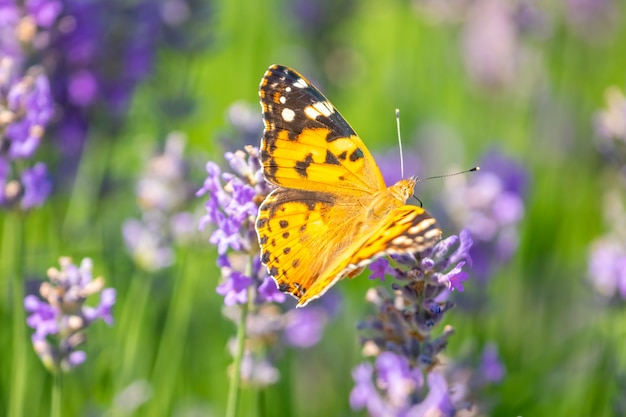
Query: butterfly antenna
[400, 143]
[477, 168]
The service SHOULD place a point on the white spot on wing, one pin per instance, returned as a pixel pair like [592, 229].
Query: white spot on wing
[288, 115]
[282, 99]
[324, 107]
[311, 113]
[321, 108]
[300, 83]
[288, 89]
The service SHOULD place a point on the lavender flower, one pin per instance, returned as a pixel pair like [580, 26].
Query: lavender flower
[490, 203]
[491, 45]
[26, 108]
[592, 19]
[163, 190]
[610, 126]
[399, 333]
[231, 210]
[398, 390]
[61, 318]
[607, 253]
[37, 186]
[469, 378]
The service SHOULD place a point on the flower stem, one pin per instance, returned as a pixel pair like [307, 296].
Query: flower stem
[233, 389]
[13, 248]
[55, 408]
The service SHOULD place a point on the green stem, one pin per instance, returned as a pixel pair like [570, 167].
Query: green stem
[233, 389]
[55, 409]
[13, 247]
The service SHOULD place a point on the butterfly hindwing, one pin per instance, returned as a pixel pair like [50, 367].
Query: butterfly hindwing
[306, 139]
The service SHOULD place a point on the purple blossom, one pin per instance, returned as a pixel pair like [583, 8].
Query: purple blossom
[490, 204]
[61, 317]
[45, 12]
[438, 402]
[163, 190]
[268, 292]
[592, 19]
[234, 288]
[31, 102]
[379, 268]
[393, 388]
[491, 46]
[37, 186]
[610, 127]
[607, 266]
[231, 211]
[43, 318]
[400, 333]
[305, 326]
[491, 367]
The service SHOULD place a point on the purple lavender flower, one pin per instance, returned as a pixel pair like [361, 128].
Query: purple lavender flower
[231, 211]
[491, 367]
[30, 101]
[610, 126]
[27, 110]
[607, 266]
[490, 44]
[399, 390]
[232, 208]
[37, 186]
[61, 318]
[235, 285]
[490, 203]
[399, 334]
[592, 19]
[44, 12]
[305, 326]
[438, 401]
[163, 190]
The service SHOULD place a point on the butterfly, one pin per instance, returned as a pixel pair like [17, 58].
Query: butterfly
[331, 213]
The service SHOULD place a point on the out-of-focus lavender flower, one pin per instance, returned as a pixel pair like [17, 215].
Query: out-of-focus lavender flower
[490, 203]
[607, 266]
[61, 318]
[399, 334]
[305, 326]
[491, 368]
[592, 19]
[44, 12]
[398, 390]
[607, 253]
[25, 110]
[610, 126]
[163, 191]
[468, 378]
[37, 186]
[490, 44]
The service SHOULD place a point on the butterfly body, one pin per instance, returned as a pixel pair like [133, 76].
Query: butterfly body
[331, 213]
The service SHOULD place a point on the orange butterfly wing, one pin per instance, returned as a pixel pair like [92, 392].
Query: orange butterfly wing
[331, 214]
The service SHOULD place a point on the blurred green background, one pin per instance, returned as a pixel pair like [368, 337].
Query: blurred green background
[531, 89]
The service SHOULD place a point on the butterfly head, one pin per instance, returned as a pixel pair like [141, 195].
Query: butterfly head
[403, 189]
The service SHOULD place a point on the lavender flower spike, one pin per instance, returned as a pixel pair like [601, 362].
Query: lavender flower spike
[61, 318]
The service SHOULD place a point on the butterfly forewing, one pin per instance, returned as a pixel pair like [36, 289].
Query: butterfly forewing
[307, 144]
